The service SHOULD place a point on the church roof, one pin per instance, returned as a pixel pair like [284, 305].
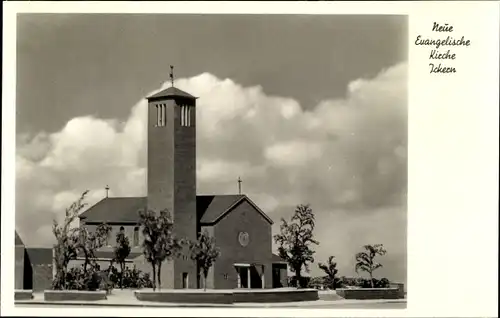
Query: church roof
[210, 209]
[171, 92]
[277, 259]
[124, 209]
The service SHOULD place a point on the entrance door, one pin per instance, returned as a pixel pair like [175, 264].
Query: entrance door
[243, 277]
[185, 280]
[276, 277]
[255, 277]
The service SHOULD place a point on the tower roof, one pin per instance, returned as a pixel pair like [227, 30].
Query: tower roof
[171, 92]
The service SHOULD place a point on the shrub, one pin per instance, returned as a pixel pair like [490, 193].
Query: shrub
[304, 281]
[360, 282]
[132, 278]
[91, 279]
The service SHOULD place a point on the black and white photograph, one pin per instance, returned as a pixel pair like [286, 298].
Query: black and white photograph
[212, 160]
[233, 158]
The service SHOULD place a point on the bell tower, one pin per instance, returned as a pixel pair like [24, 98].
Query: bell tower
[171, 176]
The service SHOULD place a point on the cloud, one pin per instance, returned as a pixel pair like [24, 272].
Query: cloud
[346, 157]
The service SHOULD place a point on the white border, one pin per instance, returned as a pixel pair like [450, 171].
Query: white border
[453, 158]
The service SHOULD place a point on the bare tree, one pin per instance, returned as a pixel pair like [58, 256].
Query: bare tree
[296, 240]
[122, 251]
[330, 269]
[159, 242]
[204, 252]
[365, 261]
[67, 241]
[90, 242]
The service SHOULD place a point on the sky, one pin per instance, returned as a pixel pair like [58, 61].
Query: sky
[306, 109]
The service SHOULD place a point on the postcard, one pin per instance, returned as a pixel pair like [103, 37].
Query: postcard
[261, 159]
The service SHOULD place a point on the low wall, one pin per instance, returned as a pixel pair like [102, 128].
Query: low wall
[400, 287]
[61, 295]
[194, 296]
[274, 296]
[23, 294]
[214, 296]
[369, 293]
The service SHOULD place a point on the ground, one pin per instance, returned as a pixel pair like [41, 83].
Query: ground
[121, 298]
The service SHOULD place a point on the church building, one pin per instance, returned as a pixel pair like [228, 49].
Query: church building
[241, 229]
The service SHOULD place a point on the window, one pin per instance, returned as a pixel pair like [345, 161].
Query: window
[136, 236]
[186, 116]
[108, 241]
[161, 115]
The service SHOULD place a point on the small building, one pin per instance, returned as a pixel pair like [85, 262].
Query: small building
[34, 267]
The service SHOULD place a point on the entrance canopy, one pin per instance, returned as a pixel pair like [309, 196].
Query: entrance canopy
[242, 265]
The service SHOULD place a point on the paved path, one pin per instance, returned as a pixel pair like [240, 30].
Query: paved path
[318, 304]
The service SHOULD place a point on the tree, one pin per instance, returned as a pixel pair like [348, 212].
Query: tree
[122, 251]
[296, 239]
[204, 252]
[365, 261]
[89, 242]
[330, 269]
[67, 241]
[159, 242]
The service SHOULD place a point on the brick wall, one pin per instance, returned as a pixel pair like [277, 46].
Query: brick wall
[42, 277]
[244, 218]
[185, 222]
[160, 174]
[166, 274]
[172, 180]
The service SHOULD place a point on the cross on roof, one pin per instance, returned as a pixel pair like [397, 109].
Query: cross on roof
[172, 75]
[239, 185]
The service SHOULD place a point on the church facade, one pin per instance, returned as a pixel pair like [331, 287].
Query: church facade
[241, 229]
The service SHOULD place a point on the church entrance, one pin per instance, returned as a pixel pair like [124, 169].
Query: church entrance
[250, 276]
[185, 278]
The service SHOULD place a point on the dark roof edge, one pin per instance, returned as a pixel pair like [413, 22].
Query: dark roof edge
[171, 93]
[171, 97]
[81, 216]
[94, 222]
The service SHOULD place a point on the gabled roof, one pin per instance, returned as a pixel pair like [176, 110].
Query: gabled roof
[210, 209]
[171, 92]
[277, 259]
[124, 209]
